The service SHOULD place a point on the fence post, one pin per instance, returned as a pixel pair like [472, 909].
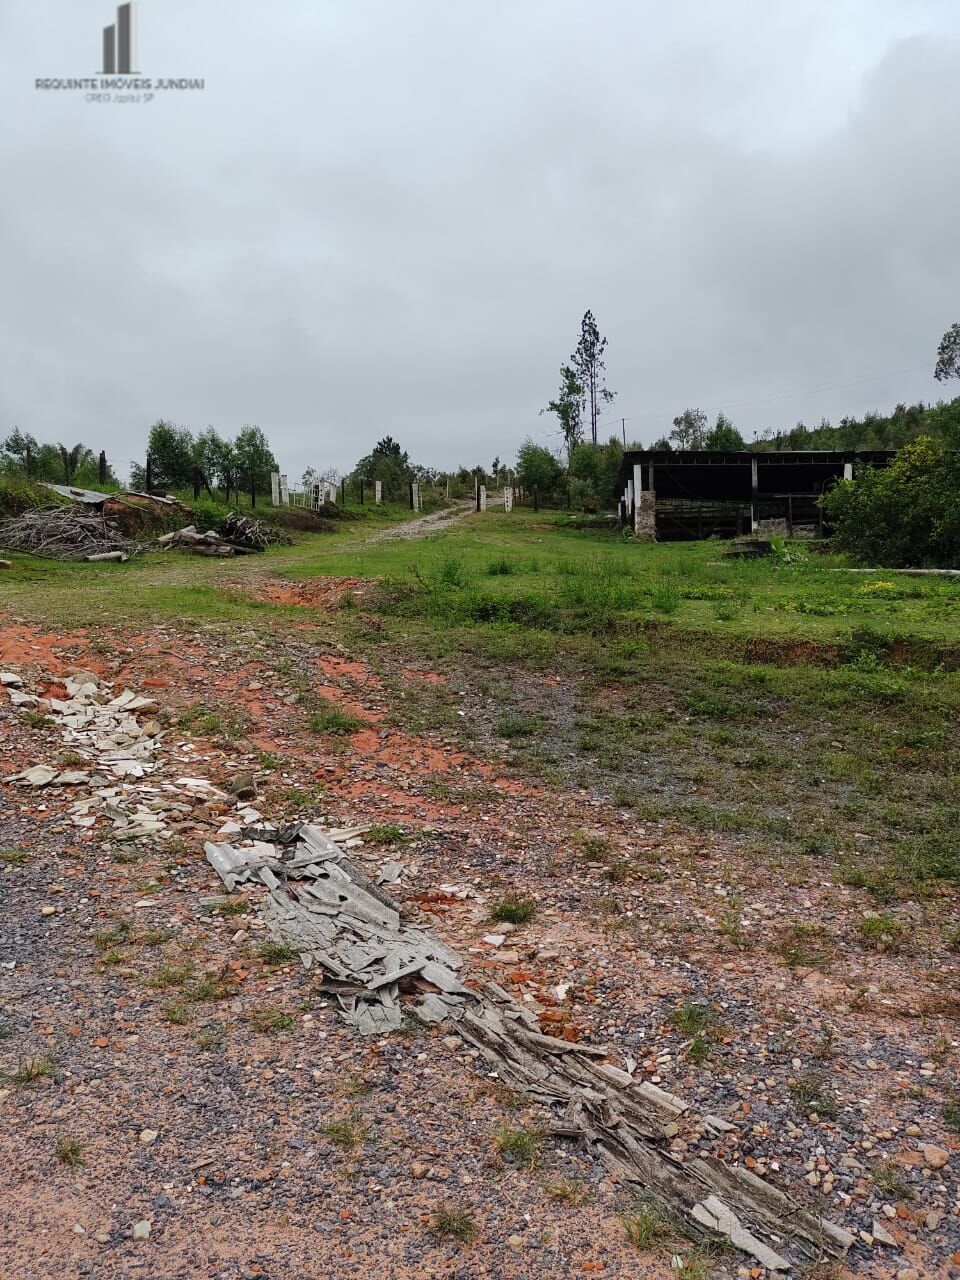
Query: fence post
[196, 483]
[361, 491]
[253, 491]
[343, 491]
[102, 469]
[149, 474]
[536, 498]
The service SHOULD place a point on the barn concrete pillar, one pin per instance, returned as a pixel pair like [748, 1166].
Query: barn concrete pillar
[645, 507]
[848, 471]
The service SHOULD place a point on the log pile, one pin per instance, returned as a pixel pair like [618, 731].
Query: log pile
[239, 536]
[209, 543]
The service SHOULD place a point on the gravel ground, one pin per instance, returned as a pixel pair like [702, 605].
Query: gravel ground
[311, 1152]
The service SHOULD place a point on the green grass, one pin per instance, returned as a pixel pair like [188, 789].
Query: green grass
[809, 945]
[811, 1096]
[788, 705]
[889, 1179]
[169, 975]
[14, 857]
[881, 932]
[513, 725]
[345, 1134]
[211, 986]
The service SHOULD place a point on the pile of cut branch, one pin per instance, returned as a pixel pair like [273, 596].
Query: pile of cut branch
[66, 533]
[245, 531]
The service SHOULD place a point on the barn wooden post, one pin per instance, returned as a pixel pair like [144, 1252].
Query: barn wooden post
[754, 495]
[102, 469]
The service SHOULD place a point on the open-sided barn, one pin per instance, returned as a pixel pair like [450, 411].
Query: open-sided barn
[703, 493]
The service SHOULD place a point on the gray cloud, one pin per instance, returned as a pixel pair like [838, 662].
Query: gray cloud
[382, 218]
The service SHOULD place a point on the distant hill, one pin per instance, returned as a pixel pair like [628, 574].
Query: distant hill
[873, 431]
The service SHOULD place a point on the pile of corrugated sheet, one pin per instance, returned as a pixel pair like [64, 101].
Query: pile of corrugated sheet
[379, 967]
[323, 904]
[66, 533]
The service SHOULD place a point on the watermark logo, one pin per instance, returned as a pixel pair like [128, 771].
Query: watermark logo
[120, 43]
[119, 79]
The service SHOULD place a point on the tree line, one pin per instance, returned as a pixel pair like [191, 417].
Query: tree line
[175, 453]
[76, 465]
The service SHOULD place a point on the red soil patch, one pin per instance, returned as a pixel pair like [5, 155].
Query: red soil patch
[26, 646]
[317, 593]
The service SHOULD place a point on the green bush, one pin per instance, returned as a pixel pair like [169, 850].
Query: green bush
[906, 514]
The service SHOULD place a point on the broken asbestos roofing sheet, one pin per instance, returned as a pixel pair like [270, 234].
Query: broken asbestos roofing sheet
[380, 968]
[322, 903]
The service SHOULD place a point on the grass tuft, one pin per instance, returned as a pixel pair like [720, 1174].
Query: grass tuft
[277, 952]
[691, 1019]
[454, 1224]
[881, 932]
[272, 1021]
[513, 910]
[330, 719]
[644, 1226]
[521, 1146]
[70, 1152]
[30, 1070]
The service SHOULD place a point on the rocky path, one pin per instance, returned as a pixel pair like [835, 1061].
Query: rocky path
[423, 526]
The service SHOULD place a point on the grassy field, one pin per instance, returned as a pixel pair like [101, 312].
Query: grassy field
[797, 707]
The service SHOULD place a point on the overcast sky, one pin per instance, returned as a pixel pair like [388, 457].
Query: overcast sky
[388, 216]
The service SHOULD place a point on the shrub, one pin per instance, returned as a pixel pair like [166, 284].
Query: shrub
[905, 514]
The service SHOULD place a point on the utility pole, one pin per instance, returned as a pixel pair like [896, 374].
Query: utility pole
[623, 428]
